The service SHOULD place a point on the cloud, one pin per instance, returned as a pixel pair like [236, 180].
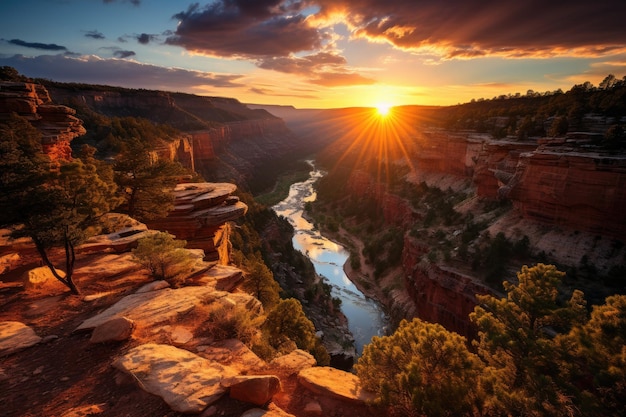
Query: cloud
[146, 38]
[323, 68]
[37, 45]
[133, 2]
[123, 54]
[246, 29]
[476, 28]
[94, 34]
[118, 52]
[125, 73]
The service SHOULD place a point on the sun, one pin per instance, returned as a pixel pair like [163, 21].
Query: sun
[383, 109]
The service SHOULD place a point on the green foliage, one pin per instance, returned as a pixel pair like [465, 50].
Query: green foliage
[595, 359]
[515, 341]
[224, 321]
[422, 369]
[259, 281]
[60, 207]
[146, 183]
[288, 323]
[163, 256]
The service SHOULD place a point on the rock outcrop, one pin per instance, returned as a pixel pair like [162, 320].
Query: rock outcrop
[200, 214]
[550, 181]
[57, 123]
[584, 191]
[332, 382]
[185, 381]
[440, 295]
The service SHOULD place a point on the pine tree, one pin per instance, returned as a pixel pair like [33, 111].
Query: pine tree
[516, 341]
[422, 369]
[60, 207]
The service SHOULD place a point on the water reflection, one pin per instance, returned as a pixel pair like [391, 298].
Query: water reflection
[365, 317]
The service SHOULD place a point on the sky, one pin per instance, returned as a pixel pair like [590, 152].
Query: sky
[319, 53]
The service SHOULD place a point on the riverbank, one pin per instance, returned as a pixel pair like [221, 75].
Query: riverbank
[388, 290]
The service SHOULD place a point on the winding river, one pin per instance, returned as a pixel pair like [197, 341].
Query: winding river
[365, 316]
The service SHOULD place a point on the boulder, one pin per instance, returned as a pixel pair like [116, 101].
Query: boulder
[253, 389]
[40, 277]
[15, 336]
[331, 382]
[114, 330]
[185, 381]
[294, 361]
[223, 277]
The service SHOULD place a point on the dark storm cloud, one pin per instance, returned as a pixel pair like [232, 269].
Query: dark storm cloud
[246, 29]
[38, 45]
[474, 28]
[94, 34]
[95, 70]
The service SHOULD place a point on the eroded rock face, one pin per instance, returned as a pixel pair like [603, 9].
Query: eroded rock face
[199, 216]
[57, 123]
[582, 191]
[440, 295]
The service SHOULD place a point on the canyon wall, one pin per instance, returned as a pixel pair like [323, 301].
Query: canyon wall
[57, 124]
[550, 181]
[583, 191]
[440, 294]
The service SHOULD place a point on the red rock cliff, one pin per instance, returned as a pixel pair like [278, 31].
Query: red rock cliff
[57, 123]
[441, 295]
[585, 191]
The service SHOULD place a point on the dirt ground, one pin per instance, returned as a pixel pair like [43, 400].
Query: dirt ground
[67, 376]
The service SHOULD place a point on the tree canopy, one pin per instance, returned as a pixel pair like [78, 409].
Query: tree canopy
[56, 205]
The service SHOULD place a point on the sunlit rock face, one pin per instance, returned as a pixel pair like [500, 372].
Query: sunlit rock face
[584, 191]
[200, 215]
[57, 123]
[549, 181]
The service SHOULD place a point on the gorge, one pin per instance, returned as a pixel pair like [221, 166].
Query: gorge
[427, 229]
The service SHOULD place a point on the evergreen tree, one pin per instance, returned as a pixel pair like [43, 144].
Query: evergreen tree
[516, 341]
[422, 369]
[163, 256]
[595, 360]
[146, 182]
[54, 208]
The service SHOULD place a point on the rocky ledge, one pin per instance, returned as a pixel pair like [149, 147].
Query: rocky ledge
[199, 216]
[57, 123]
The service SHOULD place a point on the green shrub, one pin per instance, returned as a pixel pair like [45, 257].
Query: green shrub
[163, 256]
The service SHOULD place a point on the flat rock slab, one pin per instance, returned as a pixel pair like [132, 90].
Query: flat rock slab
[15, 336]
[232, 352]
[154, 307]
[186, 382]
[294, 361]
[332, 382]
[225, 277]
